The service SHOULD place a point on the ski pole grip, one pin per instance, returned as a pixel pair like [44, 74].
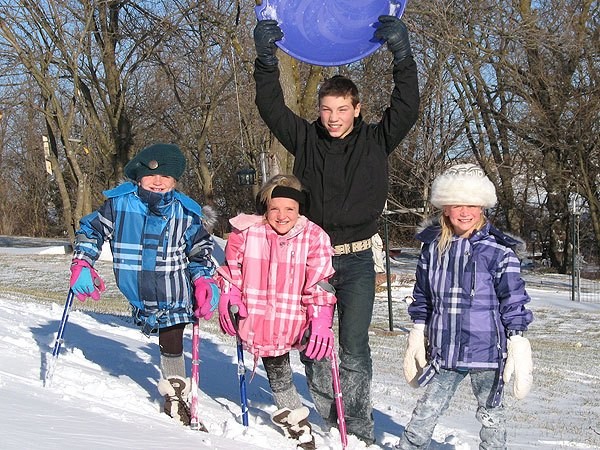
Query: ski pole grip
[235, 318]
[306, 336]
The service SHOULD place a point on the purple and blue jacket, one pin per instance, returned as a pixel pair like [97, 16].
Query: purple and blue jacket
[468, 300]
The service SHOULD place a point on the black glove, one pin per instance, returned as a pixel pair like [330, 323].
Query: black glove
[393, 31]
[266, 33]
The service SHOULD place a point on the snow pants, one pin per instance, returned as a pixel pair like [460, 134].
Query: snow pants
[354, 282]
[436, 399]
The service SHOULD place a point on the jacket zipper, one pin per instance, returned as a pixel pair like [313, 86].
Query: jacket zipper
[473, 274]
[165, 240]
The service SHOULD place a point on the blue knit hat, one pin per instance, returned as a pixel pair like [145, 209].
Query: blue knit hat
[157, 159]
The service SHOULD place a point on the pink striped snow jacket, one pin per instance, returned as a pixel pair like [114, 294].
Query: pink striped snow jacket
[278, 278]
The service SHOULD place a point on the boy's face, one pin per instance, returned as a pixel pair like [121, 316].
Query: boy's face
[337, 115]
[158, 183]
[282, 214]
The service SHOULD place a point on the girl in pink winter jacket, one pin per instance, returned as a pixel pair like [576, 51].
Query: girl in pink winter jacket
[276, 276]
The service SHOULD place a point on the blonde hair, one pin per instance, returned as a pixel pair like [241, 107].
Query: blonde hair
[264, 195]
[447, 232]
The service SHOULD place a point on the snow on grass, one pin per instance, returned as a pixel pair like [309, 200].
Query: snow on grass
[104, 395]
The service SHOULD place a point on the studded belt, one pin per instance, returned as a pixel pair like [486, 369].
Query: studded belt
[352, 247]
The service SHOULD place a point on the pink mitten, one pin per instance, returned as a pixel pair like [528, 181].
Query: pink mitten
[231, 304]
[320, 344]
[206, 293]
[85, 281]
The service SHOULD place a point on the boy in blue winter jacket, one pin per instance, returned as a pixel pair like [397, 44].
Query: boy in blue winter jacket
[161, 260]
[468, 311]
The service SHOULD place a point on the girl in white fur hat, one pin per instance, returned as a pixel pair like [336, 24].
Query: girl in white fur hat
[468, 311]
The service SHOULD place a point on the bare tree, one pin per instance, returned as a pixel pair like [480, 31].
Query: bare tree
[526, 87]
[512, 86]
[556, 75]
[53, 43]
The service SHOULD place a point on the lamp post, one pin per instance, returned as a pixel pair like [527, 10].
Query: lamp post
[534, 235]
[246, 177]
[386, 213]
[264, 170]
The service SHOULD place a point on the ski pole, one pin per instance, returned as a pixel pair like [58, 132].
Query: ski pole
[339, 401]
[195, 423]
[242, 376]
[241, 368]
[51, 364]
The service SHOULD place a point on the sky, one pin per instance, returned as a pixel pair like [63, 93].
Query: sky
[103, 394]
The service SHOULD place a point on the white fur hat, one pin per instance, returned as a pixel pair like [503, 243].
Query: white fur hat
[463, 184]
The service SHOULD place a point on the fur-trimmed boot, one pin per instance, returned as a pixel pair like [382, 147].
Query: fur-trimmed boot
[176, 389]
[295, 425]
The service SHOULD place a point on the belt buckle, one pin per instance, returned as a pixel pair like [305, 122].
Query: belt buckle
[358, 246]
[341, 249]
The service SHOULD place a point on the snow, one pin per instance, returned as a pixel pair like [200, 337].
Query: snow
[103, 394]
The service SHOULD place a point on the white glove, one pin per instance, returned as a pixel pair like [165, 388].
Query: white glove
[519, 362]
[414, 358]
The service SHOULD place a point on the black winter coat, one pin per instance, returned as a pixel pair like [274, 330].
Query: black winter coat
[347, 177]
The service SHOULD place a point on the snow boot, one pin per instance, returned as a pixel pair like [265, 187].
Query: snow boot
[175, 390]
[295, 425]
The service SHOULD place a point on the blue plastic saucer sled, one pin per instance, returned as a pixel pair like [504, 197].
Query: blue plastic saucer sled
[328, 32]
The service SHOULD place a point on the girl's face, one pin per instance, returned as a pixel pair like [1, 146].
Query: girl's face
[464, 218]
[158, 183]
[282, 214]
[338, 114]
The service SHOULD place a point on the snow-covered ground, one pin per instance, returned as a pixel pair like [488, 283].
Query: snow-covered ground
[104, 395]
